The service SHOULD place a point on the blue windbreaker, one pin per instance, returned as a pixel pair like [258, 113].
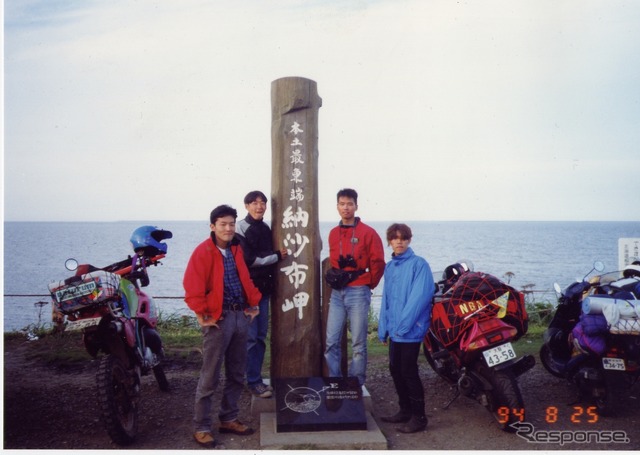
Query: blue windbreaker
[405, 312]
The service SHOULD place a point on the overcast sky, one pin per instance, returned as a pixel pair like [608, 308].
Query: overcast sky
[432, 110]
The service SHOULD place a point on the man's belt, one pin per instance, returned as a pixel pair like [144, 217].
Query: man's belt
[234, 306]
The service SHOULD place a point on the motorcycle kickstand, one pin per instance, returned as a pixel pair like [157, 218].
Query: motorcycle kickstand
[456, 395]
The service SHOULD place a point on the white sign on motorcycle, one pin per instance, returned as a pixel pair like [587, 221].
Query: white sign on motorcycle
[73, 292]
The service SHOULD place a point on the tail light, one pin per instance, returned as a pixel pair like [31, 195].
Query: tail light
[486, 333]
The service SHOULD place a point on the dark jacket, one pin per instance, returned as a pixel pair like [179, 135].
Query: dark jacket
[257, 245]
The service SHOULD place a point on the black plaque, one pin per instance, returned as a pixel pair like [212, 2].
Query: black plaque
[319, 404]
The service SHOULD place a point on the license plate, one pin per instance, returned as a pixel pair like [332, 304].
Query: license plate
[610, 363]
[499, 354]
[82, 324]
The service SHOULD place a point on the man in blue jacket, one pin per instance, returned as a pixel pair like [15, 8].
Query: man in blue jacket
[405, 315]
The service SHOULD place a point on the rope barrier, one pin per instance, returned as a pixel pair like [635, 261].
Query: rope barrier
[49, 295]
[181, 297]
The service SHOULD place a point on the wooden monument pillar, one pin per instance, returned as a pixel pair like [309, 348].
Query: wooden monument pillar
[296, 345]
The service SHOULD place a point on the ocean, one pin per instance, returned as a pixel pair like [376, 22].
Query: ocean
[533, 254]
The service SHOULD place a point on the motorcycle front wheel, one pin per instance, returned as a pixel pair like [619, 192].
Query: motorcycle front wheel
[161, 378]
[117, 399]
[549, 363]
[505, 400]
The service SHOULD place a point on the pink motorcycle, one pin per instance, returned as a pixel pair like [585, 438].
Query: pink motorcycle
[118, 319]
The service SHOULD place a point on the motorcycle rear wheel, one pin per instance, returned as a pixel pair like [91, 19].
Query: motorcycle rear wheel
[615, 388]
[117, 399]
[505, 400]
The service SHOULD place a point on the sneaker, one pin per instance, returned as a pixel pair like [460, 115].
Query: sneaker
[261, 390]
[235, 427]
[204, 438]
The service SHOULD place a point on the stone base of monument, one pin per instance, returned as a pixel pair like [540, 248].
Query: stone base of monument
[318, 413]
[371, 439]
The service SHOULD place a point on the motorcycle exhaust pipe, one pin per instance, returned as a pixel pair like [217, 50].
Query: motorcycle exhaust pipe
[466, 385]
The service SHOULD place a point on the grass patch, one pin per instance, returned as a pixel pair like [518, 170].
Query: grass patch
[179, 332]
[60, 349]
[529, 343]
[182, 340]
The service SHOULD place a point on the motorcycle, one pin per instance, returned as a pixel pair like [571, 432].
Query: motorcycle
[118, 319]
[593, 340]
[475, 318]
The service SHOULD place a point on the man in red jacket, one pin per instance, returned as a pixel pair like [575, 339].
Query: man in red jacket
[355, 249]
[219, 290]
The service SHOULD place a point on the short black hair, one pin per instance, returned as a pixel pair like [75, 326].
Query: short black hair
[348, 192]
[222, 211]
[253, 195]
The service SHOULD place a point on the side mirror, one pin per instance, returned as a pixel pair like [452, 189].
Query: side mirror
[598, 266]
[71, 264]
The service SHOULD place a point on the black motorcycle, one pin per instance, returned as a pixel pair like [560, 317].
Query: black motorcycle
[593, 339]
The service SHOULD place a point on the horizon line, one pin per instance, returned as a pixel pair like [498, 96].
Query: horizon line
[335, 221]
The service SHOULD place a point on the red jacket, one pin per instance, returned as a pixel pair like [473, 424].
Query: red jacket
[366, 247]
[204, 279]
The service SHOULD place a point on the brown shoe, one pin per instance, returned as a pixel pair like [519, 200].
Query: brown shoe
[204, 438]
[235, 427]
[399, 417]
[415, 424]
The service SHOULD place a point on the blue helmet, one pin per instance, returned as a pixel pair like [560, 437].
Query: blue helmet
[148, 240]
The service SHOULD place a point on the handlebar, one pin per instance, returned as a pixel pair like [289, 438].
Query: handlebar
[576, 289]
[132, 264]
[132, 268]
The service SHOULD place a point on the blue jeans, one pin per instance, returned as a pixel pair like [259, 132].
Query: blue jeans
[227, 343]
[256, 345]
[350, 303]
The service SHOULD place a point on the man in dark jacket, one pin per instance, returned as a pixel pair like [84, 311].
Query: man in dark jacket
[255, 238]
